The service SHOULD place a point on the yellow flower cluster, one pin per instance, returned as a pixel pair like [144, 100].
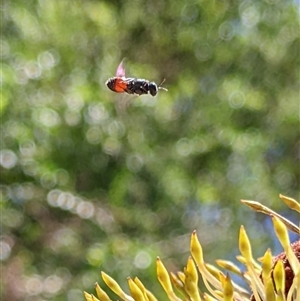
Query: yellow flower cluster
[275, 279]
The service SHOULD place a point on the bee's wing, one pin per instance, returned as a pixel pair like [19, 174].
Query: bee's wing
[120, 70]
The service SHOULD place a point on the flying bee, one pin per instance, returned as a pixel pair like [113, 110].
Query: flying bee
[121, 84]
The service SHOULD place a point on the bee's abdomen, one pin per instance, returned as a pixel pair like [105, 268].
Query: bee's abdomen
[117, 84]
[110, 83]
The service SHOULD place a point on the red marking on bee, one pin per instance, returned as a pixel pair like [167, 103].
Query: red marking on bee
[121, 84]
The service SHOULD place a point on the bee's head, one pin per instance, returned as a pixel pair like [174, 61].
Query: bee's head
[153, 88]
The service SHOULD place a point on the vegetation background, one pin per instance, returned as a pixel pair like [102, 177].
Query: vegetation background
[92, 180]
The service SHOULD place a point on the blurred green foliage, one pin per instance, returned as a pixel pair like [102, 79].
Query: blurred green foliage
[92, 180]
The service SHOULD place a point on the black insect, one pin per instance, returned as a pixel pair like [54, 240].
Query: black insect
[121, 84]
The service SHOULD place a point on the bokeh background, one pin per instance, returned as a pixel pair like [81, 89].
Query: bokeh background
[92, 180]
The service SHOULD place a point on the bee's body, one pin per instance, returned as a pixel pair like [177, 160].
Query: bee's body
[121, 84]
